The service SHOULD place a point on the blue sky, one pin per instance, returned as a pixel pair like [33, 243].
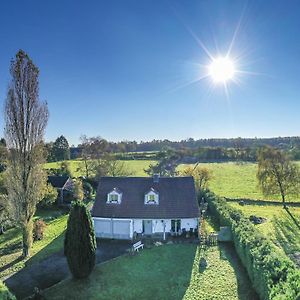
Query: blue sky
[120, 69]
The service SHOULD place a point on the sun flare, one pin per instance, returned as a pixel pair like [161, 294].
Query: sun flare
[221, 69]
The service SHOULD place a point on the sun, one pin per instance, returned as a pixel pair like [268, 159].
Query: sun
[221, 69]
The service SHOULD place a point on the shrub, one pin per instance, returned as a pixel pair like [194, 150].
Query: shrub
[78, 190]
[5, 294]
[273, 274]
[80, 241]
[87, 189]
[50, 196]
[38, 229]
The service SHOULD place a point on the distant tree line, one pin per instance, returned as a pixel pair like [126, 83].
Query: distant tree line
[160, 145]
[189, 150]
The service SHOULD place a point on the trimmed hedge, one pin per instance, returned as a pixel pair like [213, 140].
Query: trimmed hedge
[273, 274]
[5, 294]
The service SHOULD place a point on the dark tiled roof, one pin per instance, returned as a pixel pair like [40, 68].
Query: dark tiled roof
[177, 198]
[58, 181]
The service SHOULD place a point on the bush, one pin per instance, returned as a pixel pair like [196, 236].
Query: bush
[50, 196]
[5, 294]
[78, 193]
[38, 229]
[80, 241]
[273, 274]
[87, 189]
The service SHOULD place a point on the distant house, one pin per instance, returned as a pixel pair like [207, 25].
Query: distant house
[126, 206]
[64, 186]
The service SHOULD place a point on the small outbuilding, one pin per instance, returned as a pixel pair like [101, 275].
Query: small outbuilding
[64, 186]
[128, 206]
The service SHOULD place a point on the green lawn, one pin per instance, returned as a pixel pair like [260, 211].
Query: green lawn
[281, 227]
[164, 272]
[11, 243]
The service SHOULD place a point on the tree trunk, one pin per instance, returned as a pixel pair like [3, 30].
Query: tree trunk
[283, 200]
[27, 229]
[86, 167]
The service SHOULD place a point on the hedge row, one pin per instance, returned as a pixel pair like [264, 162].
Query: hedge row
[5, 294]
[273, 274]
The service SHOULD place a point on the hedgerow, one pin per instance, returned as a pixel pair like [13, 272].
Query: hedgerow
[272, 273]
[5, 294]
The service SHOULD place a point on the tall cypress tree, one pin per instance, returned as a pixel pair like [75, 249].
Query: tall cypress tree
[80, 241]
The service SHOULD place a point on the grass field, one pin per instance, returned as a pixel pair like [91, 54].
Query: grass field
[234, 180]
[164, 272]
[11, 243]
[136, 167]
[282, 226]
[230, 179]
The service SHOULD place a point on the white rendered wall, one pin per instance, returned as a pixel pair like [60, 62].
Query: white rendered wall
[189, 223]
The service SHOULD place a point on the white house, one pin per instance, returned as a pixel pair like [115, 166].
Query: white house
[126, 206]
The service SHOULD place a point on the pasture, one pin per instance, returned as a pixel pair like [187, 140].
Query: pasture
[230, 179]
[233, 180]
[135, 167]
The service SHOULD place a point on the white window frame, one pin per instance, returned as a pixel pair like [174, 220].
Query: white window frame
[152, 201]
[114, 193]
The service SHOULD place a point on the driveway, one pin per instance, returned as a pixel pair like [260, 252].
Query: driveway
[55, 268]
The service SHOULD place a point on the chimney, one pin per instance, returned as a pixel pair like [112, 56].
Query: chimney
[156, 178]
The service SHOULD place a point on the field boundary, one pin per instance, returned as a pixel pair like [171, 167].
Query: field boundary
[261, 202]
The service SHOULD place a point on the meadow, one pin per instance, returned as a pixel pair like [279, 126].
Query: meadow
[230, 179]
[135, 167]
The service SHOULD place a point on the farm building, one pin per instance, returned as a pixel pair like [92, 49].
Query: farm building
[129, 206]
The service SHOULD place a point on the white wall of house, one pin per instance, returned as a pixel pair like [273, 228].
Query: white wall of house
[189, 223]
[137, 225]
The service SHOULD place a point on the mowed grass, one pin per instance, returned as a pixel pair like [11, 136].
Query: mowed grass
[282, 226]
[223, 278]
[164, 272]
[11, 243]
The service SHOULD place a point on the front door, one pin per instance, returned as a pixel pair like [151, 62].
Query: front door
[147, 226]
[176, 225]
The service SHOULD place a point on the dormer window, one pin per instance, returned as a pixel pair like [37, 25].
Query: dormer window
[114, 197]
[152, 197]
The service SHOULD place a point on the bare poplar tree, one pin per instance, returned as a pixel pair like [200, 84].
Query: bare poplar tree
[25, 122]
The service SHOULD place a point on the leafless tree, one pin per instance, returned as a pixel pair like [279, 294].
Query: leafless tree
[25, 122]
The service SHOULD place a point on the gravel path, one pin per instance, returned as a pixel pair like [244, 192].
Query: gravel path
[55, 268]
